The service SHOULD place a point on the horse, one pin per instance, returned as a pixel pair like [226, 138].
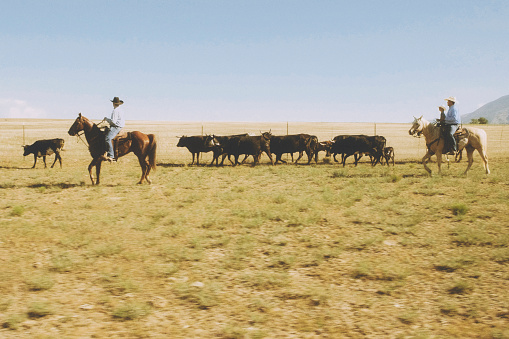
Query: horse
[142, 145]
[471, 139]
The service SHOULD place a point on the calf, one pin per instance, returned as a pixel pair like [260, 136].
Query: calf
[43, 148]
[323, 146]
[388, 154]
[197, 144]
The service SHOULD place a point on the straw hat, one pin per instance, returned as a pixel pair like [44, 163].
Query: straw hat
[442, 108]
[116, 100]
[453, 99]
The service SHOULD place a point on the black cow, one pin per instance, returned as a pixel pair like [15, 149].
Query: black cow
[388, 155]
[255, 146]
[348, 145]
[226, 145]
[197, 144]
[323, 146]
[43, 148]
[281, 144]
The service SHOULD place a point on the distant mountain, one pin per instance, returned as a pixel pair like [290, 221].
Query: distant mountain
[497, 112]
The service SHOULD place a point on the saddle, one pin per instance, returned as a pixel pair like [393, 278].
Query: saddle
[460, 133]
[122, 143]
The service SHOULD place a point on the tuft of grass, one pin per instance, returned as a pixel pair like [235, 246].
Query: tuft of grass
[408, 318]
[459, 209]
[13, 321]
[130, 311]
[204, 297]
[17, 211]
[39, 309]
[460, 287]
[39, 282]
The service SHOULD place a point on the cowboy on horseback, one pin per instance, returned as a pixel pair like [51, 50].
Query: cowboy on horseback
[116, 123]
[449, 125]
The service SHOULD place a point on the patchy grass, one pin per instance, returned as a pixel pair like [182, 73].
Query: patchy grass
[251, 252]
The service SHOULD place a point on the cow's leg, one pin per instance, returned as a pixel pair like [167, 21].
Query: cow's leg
[44, 160]
[192, 162]
[57, 157]
[300, 156]
[198, 158]
[269, 155]
[35, 160]
[279, 158]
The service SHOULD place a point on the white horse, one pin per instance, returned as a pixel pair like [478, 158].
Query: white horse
[471, 139]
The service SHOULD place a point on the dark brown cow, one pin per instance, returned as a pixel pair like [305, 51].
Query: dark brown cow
[197, 144]
[281, 144]
[43, 148]
[348, 145]
[255, 146]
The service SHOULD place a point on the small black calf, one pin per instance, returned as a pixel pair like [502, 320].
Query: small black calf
[43, 148]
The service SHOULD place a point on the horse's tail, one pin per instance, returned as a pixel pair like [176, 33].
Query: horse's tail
[152, 151]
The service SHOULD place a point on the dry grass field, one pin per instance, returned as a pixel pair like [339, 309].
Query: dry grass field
[286, 251]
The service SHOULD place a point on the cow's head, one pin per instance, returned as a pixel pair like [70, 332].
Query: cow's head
[417, 127]
[267, 135]
[182, 141]
[25, 150]
[77, 126]
[211, 141]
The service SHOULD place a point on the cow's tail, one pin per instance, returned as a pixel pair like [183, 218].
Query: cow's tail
[152, 151]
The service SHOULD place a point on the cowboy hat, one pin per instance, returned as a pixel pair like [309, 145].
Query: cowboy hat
[453, 99]
[116, 100]
[443, 108]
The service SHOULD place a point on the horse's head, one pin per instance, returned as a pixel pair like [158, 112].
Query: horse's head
[78, 126]
[417, 127]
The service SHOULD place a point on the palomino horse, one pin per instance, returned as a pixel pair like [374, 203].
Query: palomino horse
[471, 139]
[142, 145]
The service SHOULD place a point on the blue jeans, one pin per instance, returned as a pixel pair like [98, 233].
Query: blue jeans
[109, 137]
[452, 140]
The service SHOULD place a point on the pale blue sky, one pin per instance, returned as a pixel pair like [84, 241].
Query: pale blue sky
[276, 60]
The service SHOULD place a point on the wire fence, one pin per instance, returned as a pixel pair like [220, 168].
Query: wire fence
[17, 132]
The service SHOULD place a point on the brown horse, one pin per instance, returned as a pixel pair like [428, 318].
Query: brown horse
[471, 139]
[142, 145]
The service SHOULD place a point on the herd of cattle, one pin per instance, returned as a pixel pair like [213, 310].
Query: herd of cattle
[254, 145]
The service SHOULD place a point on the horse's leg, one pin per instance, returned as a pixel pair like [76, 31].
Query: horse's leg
[484, 157]
[98, 170]
[425, 160]
[470, 157]
[144, 170]
[90, 167]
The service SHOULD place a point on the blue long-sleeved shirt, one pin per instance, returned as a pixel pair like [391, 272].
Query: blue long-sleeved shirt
[452, 117]
[117, 118]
